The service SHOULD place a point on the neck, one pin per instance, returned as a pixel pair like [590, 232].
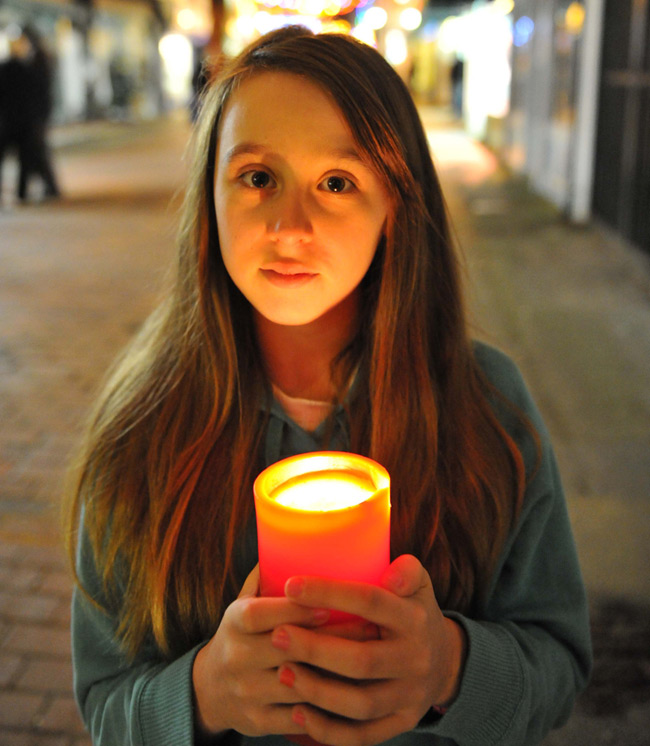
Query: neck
[299, 358]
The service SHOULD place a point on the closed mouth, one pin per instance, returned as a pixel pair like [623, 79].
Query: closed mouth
[284, 278]
[287, 269]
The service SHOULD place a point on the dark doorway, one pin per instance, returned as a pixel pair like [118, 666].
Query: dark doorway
[622, 172]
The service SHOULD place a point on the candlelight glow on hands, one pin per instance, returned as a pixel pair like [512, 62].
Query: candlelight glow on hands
[324, 514]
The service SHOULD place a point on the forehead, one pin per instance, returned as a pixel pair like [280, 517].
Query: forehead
[272, 108]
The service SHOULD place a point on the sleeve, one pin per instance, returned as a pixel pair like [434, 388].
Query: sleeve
[529, 647]
[147, 702]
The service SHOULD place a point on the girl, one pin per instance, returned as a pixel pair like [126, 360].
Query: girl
[317, 305]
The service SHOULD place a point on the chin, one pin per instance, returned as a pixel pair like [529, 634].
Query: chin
[290, 316]
[291, 319]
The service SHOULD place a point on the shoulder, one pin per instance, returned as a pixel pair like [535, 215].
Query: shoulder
[500, 370]
[505, 378]
[511, 401]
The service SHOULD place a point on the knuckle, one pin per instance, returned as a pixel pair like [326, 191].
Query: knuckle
[228, 657]
[238, 687]
[233, 655]
[420, 617]
[247, 616]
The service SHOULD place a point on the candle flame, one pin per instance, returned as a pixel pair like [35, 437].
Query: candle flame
[324, 491]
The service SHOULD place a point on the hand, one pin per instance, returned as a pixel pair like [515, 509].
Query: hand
[235, 676]
[352, 692]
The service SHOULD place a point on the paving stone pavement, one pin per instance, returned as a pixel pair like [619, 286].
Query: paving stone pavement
[572, 305]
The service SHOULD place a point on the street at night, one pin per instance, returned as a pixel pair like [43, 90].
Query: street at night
[570, 304]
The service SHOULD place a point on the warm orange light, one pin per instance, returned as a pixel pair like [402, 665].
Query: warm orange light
[325, 514]
[325, 490]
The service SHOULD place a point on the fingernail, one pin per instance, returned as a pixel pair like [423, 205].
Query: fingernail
[321, 615]
[298, 717]
[287, 676]
[280, 638]
[293, 587]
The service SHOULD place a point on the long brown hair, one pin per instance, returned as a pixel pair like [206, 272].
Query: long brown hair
[165, 473]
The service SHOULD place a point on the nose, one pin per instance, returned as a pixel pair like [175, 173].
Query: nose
[289, 219]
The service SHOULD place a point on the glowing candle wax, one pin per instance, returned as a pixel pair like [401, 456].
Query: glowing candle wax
[325, 514]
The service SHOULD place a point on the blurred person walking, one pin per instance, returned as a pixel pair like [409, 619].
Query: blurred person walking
[25, 108]
[457, 74]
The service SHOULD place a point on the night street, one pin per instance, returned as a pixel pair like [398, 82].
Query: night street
[570, 304]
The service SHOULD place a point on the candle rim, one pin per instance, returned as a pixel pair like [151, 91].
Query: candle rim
[267, 482]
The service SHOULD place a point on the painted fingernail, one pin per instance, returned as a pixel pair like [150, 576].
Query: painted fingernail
[298, 717]
[321, 615]
[293, 587]
[280, 639]
[287, 676]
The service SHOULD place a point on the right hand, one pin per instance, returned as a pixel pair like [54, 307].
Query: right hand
[235, 676]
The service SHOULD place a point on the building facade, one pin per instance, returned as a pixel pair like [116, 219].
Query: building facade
[579, 120]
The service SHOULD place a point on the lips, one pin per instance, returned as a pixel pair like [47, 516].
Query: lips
[288, 279]
[288, 268]
[287, 274]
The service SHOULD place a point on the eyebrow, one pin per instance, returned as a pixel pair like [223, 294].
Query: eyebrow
[251, 148]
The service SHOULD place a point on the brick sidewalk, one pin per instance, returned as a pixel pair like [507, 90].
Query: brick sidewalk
[36, 704]
[77, 278]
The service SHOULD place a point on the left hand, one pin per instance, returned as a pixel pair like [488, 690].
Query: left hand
[362, 692]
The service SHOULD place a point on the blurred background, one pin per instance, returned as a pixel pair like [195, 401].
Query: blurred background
[538, 117]
[558, 88]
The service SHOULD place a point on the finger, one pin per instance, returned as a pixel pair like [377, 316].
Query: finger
[327, 729]
[282, 721]
[254, 615]
[405, 576]
[359, 630]
[374, 659]
[268, 720]
[367, 601]
[339, 696]
[260, 689]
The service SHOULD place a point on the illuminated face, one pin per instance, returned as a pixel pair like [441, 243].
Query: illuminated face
[299, 213]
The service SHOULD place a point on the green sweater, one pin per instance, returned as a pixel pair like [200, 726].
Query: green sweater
[529, 650]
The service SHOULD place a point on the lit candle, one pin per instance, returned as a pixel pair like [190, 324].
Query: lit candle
[324, 514]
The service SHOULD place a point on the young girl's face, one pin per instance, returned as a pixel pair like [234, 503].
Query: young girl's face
[299, 213]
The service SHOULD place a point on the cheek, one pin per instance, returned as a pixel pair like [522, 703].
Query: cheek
[362, 243]
[355, 259]
[227, 227]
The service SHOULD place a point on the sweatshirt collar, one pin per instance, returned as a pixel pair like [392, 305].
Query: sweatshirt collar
[284, 437]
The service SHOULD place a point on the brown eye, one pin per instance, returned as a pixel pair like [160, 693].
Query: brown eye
[257, 179]
[336, 184]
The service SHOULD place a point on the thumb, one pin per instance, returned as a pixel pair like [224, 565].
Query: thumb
[404, 576]
[251, 585]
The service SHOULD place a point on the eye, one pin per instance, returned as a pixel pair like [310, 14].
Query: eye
[337, 184]
[257, 179]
